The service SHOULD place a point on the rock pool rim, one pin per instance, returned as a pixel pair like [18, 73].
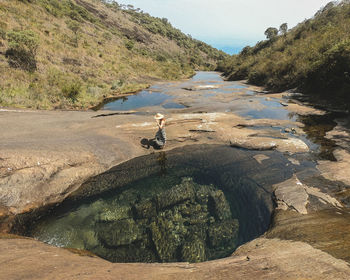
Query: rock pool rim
[38, 213]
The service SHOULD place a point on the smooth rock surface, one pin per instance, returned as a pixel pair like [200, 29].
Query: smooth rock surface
[339, 170]
[260, 259]
[46, 156]
[291, 193]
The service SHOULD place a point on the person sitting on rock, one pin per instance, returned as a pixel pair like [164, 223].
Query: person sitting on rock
[160, 138]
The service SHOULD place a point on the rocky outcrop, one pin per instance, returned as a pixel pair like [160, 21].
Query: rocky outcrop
[291, 145]
[293, 194]
[339, 170]
[327, 230]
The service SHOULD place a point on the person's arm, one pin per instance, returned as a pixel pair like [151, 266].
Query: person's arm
[162, 124]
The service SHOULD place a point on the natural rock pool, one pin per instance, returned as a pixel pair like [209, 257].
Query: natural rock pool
[192, 204]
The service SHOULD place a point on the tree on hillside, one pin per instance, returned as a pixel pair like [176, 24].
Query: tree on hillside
[283, 28]
[246, 51]
[271, 33]
[130, 7]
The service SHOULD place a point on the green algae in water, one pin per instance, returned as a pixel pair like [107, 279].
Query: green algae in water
[192, 204]
[187, 222]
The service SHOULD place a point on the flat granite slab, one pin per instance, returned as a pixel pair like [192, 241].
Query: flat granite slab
[259, 259]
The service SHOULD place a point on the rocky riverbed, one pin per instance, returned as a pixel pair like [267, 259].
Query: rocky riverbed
[47, 156]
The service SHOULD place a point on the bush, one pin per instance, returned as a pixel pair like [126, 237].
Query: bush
[79, 13]
[331, 72]
[130, 45]
[54, 7]
[161, 58]
[117, 84]
[71, 91]
[22, 49]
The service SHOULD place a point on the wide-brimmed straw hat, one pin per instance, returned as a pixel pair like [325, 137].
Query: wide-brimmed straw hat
[159, 116]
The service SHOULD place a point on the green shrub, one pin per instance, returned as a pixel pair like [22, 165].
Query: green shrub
[22, 49]
[161, 58]
[129, 45]
[71, 90]
[117, 84]
[79, 13]
[54, 7]
[332, 72]
[23, 40]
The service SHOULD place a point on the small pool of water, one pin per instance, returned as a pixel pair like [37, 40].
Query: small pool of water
[272, 109]
[143, 99]
[193, 204]
[159, 95]
[212, 77]
[277, 114]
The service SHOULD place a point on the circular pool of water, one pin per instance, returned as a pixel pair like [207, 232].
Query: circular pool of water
[193, 204]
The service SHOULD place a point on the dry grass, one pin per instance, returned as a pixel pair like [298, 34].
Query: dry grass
[90, 59]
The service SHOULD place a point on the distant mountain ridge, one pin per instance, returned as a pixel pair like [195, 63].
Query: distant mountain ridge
[313, 57]
[73, 53]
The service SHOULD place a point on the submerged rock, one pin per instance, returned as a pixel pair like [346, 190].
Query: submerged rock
[187, 222]
[157, 223]
[220, 205]
[177, 194]
[118, 233]
[166, 239]
[115, 214]
[194, 250]
[223, 233]
[223, 238]
[145, 209]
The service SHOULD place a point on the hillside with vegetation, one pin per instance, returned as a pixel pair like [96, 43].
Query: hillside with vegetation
[313, 57]
[74, 53]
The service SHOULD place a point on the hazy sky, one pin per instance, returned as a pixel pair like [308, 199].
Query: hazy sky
[229, 24]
